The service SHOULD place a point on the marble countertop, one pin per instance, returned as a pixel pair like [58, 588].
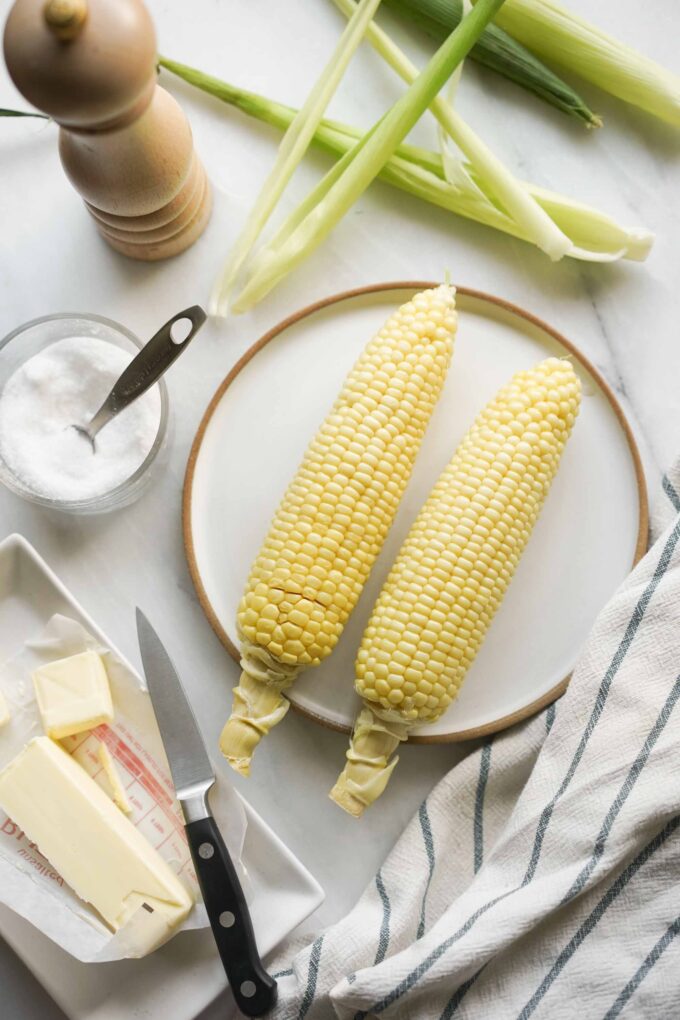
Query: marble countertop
[623, 317]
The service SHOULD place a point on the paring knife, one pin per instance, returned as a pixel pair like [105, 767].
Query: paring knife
[193, 775]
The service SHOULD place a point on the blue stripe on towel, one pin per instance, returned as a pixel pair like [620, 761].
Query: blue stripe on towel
[636, 618]
[598, 849]
[644, 969]
[550, 717]
[595, 915]
[600, 842]
[478, 825]
[458, 996]
[384, 936]
[671, 492]
[412, 979]
[429, 850]
[600, 701]
[312, 975]
[624, 792]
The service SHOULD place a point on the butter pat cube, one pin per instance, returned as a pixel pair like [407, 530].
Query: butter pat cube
[4, 711]
[87, 839]
[73, 695]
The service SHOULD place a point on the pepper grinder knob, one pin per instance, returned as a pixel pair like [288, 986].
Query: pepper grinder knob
[65, 17]
[124, 142]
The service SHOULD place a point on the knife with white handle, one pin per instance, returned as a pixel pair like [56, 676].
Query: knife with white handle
[193, 775]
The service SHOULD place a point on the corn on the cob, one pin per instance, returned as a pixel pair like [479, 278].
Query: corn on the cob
[336, 513]
[453, 569]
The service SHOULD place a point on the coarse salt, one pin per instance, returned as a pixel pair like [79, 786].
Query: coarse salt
[63, 385]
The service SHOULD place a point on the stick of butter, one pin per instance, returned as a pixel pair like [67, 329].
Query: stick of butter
[73, 694]
[93, 846]
[4, 710]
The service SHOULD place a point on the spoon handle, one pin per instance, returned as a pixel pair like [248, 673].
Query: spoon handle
[147, 367]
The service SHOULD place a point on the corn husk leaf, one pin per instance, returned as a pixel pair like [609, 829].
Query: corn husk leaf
[574, 44]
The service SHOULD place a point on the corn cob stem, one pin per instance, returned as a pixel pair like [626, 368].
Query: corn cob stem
[336, 513]
[258, 704]
[452, 571]
[368, 767]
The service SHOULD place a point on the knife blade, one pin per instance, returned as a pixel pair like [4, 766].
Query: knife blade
[193, 776]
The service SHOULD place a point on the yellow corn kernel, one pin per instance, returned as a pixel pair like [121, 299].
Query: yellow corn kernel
[336, 513]
[428, 624]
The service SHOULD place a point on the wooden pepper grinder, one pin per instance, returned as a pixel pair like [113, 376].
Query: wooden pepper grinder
[125, 143]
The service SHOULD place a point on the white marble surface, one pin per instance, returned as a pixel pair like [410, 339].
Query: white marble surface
[623, 316]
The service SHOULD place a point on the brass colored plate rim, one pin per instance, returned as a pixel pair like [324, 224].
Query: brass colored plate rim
[415, 285]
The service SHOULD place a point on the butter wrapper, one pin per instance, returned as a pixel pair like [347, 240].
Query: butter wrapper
[28, 883]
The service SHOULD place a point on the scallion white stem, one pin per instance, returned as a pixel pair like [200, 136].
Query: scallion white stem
[496, 180]
[330, 201]
[291, 150]
[420, 172]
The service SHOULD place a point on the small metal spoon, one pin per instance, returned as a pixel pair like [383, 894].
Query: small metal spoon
[154, 359]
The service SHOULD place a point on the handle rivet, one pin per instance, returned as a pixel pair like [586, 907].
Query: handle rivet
[206, 851]
[227, 919]
[248, 989]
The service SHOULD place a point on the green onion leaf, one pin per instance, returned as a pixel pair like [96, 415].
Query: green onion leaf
[22, 113]
[420, 172]
[331, 135]
[499, 52]
[332, 198]
[494, 179]
[292, 149]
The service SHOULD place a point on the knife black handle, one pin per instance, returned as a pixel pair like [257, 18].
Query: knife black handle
[253, 989]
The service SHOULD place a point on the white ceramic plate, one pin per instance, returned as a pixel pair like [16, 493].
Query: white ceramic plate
[592, 529]
[184, 976]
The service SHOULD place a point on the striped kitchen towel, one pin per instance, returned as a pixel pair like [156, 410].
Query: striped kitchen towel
[541, 877]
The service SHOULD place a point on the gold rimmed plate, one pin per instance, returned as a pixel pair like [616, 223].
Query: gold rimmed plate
[592, 530]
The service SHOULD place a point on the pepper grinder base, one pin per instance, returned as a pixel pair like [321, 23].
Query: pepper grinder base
[167, 231]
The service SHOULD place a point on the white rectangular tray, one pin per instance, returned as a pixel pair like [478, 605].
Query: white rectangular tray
[179, 980]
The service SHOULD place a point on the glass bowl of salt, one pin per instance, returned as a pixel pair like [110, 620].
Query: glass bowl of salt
[55, 372]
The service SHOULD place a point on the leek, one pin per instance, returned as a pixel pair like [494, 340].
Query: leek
[292, 149]
[498, 51]
[420, 172]
[573, 44]
[338, 191]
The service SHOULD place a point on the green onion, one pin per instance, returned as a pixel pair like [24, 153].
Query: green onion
[22, 113]
[420, 172]
[331, 135]
[498, 51]
[573, 44]
[337, 192]
[292, 149]
[497, 183]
